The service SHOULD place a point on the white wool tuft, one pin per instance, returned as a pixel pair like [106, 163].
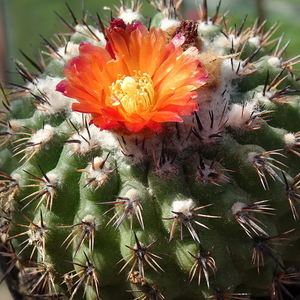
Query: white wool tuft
[183, 206]
[129, 15]
[108, 140]
[104, 138]
[237, 207]
[166, 23]
[82, 30]
[54, 178]
[69, 51]
[264, 98]
[88, 139]
[255, 40]
[77, 117]
[239, 114]
[17, 177]
[289, 140]
[133, 195]
[223, 42]
[43, 135]
[14, 125]
[89, 219]
[252, 156]
[229, 68]
[100, 174]
[203, 26]
[45, 87]
[101, 38]
[274, 62]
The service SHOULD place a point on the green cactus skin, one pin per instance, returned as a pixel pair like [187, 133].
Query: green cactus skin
[206, 209]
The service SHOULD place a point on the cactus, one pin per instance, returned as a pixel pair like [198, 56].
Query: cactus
[153, 161]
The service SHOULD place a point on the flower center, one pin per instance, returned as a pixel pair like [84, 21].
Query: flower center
[134, 93]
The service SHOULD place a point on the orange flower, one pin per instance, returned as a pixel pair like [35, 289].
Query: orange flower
[136, 81]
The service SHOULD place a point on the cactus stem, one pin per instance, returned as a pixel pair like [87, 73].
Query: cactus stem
[130, 205]
[261, 247]
[87, 275]
[140, 254]
[203, 262]
[83, 230]
[248, 222]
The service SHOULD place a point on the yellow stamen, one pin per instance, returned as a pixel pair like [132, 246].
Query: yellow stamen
[134, 93]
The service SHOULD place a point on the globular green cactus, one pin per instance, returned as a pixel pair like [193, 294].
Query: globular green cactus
[155, 161]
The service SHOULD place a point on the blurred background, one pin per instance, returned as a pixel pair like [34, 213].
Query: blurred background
[23, 22]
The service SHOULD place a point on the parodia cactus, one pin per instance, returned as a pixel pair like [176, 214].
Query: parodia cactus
[157, 163]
